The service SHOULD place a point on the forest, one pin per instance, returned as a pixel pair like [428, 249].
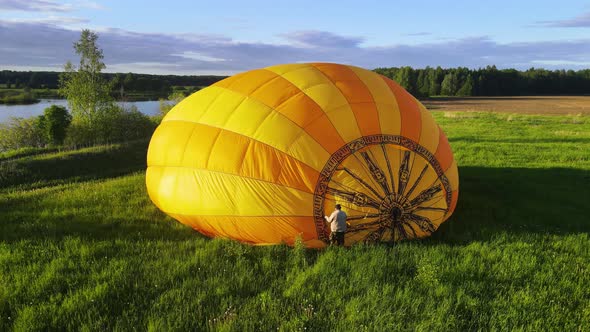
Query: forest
[426, 82]
[129, 86]
[489, 81]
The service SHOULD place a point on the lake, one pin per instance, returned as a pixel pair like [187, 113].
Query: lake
[25, 111]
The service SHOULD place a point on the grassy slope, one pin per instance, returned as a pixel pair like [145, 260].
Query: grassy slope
[81, 246]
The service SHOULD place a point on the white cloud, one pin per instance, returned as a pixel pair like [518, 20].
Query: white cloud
[314, 38]
[581, 21]
[563, 63]
[47, 5]
[35, 6]
[39, 44]
[198, 56]
[51, 20]
[91, 5]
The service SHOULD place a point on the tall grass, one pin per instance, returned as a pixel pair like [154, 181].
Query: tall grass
[83, 248]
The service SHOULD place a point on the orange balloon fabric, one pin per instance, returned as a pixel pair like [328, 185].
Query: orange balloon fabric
[262, 156]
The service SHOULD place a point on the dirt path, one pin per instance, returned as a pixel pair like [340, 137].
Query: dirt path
[531, 105]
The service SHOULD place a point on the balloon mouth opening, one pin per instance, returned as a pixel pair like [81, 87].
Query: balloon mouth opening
[393, 214]
[396, 214]
[391, 209]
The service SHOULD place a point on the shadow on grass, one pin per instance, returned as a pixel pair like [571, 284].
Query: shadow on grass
[98, 163]
[517, 200]
[23, 219]
[25, 152]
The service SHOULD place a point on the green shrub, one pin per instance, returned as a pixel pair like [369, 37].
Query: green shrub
[55, 121]
[115, 124]
[20, 133]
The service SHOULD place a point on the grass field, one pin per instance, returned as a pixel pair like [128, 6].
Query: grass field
[83, 248]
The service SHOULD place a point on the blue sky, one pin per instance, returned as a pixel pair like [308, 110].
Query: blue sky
[224, 37]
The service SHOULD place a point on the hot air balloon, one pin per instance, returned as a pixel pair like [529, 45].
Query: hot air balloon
[262, 156]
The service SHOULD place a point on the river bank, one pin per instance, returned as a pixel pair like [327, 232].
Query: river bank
[32, 96]
[149, 107]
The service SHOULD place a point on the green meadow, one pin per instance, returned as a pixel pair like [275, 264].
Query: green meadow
[82, 248]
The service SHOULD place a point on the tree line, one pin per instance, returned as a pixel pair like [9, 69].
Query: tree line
[426, 82]
[489, 81]
[158, 85]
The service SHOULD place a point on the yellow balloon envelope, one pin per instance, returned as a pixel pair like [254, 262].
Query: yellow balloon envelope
[262, 156]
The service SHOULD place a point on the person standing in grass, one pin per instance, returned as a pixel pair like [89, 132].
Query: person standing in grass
[337, 221]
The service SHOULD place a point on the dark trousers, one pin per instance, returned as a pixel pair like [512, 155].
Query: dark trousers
[337, 238]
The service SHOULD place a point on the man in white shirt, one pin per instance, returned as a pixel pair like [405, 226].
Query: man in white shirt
[337, 221]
